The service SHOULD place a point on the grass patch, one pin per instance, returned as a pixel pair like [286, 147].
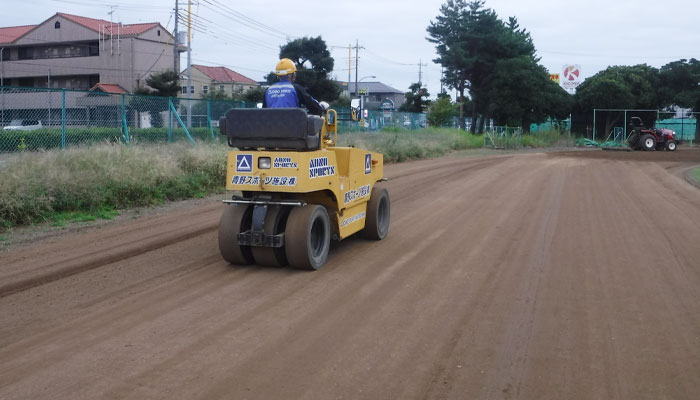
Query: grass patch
[695, 175]
[61, 219]
[84, 184]
[400, 145]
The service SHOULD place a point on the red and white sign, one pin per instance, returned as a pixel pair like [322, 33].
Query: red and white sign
[572, 77]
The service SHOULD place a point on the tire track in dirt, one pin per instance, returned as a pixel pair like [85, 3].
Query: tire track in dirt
[502, 277]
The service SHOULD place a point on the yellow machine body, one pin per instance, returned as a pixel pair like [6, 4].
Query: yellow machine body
[339, 178]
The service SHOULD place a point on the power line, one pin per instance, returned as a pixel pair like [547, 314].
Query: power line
[126, 6]
[224, 12]
[258, 23]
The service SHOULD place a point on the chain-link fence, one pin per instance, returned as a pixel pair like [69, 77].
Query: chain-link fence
[375, 120]
[40, 118]
[35, 118]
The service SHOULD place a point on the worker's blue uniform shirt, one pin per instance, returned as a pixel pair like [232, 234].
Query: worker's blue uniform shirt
[285, 94]
[281, 95]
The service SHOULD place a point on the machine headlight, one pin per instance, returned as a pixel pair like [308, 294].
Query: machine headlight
[264, 163]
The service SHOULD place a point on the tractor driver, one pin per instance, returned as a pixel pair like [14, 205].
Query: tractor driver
[287, 94]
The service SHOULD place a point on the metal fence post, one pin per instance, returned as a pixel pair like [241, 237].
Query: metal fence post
[170, 119]
[187, 132]
[211, 130]
[125, 126]
[63, 118]
[594, 110]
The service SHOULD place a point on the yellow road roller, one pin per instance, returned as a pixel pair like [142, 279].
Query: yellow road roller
[293, 189]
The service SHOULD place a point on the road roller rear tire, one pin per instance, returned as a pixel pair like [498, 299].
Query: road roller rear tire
[235, 219]
[378, 214]
[274, 224]
[307, 237]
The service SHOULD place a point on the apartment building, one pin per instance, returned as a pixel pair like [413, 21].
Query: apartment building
[74, 52]
[204, 80]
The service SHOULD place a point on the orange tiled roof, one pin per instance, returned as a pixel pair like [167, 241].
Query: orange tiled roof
[95, 24]
[12, 33]
[223, 74]
[109, 88]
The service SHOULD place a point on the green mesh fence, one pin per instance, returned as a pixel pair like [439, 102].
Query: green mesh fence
[376, 120]
[35, 118]
[684, 125]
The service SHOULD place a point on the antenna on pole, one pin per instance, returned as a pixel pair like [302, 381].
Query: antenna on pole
[420, 71]
[111, 7]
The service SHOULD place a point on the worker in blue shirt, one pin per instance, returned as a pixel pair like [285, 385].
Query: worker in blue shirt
[287, 94]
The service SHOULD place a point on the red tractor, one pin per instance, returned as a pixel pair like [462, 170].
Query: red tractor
[649, 139]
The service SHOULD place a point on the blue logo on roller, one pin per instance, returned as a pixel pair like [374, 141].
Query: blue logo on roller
[368, 164]
[244, 163]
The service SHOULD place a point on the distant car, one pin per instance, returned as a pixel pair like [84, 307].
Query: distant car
[23, 125]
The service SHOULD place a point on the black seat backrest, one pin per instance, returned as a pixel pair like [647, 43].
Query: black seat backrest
[272, 128]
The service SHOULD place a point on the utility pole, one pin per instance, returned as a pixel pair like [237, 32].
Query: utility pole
[2, 88]
[176, 55]
[349, 66]
[441, 75]
[357, 58]
[189, 63]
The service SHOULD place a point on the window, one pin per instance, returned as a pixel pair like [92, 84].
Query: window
[26, 82]
[205, 89]
[158, 32]
[221, 88]
[94, 49]
[183, 90]
[25, 53]
[191, 89]
[57, 25]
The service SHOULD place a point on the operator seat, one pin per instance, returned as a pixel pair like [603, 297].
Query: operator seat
[272, 128]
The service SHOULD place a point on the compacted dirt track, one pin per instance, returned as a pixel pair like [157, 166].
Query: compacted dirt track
[533, 276]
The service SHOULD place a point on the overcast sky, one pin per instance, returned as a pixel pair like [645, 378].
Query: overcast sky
[593, 34]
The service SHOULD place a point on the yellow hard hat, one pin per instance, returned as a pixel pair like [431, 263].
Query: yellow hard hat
[285, 67]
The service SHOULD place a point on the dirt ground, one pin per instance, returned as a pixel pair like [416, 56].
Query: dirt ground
[531, 276]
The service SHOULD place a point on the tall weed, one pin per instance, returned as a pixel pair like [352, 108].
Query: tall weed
[36, 186]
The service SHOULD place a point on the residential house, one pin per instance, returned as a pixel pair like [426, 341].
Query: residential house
[376, 93]
[74, 52]
[204, 80]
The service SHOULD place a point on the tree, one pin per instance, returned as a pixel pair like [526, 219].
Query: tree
[477, 51]
[442, 110]
[522, 94]
[416, 99]
[679, 82]
[161, 84]
[620, 87]
[254, 95]
[164, 84]
[314, 64]
[451, 33]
